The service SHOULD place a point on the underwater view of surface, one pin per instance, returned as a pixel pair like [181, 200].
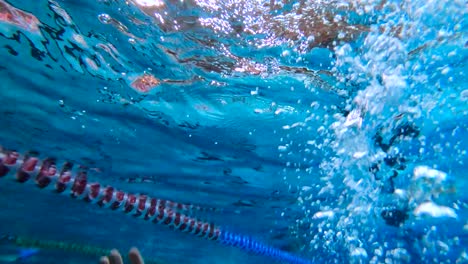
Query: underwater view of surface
[237, 131]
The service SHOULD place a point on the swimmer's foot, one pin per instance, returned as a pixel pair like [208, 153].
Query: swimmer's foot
[115, 257]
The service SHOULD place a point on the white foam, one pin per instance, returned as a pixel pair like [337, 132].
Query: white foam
[359, 252]
[428, 173]
[353, 119]
[323, 214]
[282, 148]
[400, 193]
[150, 3]
[359, 154]
[433, 210]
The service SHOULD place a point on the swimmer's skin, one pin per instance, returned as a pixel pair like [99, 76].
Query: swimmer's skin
[115, 257]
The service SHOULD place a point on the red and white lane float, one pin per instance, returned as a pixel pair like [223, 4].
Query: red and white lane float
[74, 181]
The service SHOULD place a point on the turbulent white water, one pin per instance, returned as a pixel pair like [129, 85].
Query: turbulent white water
[407, 73]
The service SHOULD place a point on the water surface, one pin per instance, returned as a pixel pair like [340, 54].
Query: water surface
[304, 124]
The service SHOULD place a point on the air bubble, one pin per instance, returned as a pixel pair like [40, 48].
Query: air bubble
[105, 18]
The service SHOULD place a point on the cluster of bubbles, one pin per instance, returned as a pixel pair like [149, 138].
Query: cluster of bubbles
[379, 178]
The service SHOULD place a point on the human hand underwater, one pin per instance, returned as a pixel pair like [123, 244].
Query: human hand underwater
[115, 257]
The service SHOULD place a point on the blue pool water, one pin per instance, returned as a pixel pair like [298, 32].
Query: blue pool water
[333, 131]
